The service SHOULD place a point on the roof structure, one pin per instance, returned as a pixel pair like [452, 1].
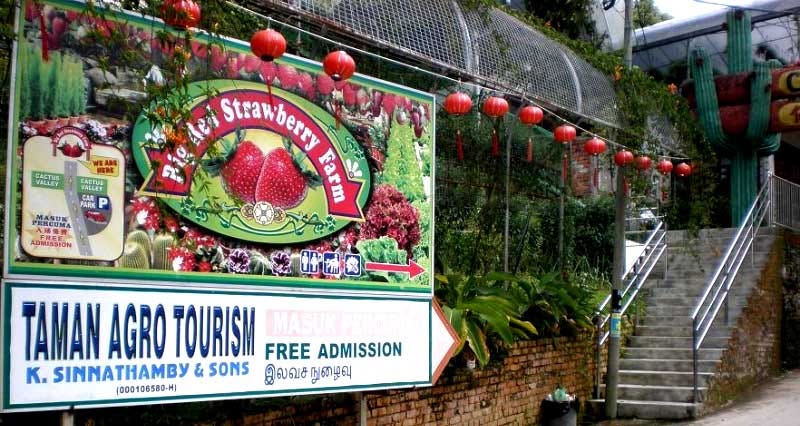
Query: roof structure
[666, 44]
[493, 47]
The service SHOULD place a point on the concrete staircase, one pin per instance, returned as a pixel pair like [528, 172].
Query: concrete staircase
[656, 364]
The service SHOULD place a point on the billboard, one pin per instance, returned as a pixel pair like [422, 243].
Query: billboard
[70, 345]
[187, 222]
[140, 154]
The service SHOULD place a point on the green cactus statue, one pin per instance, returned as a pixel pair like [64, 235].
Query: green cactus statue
[743, 150]
[134, 256]
[161, 246]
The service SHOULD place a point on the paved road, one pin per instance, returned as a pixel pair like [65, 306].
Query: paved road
[776, 403]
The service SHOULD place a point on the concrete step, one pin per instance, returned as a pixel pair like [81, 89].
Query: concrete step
[677, 310]
[691, 299]
[649, 409]
[662, 378]
[705, 270]
[681, 234]
[705, 366]
[656, 393]
[692, 280]
[684, 320]
[656, 410]
[674, 342]
[673, 353]
[665, 320]
[659, 292]
[680, 331]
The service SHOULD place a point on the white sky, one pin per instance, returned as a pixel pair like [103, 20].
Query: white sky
[686, 8]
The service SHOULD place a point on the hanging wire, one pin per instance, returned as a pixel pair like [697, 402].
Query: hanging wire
[487, 88]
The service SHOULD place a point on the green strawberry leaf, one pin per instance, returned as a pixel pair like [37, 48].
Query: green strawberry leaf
[213, 165]
[313, 180]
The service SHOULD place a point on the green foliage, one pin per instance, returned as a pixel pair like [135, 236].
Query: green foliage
[50, 89]
[480, 308]
[383, 250]
[571, 17]
[24, 61]
[645, 13]
[401, 169]
[557, 306]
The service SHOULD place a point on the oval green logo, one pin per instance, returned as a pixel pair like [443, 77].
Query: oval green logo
[265, 168]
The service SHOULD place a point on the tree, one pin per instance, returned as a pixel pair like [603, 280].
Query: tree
[571, 17]
[646, 13]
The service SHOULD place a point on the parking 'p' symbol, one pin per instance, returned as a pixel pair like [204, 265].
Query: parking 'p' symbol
[103, 203]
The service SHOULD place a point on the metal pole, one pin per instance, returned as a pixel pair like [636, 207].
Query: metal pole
[695, 398]
[363, 412]
[561, 208]
[599, 360]
[618, 269]
[67, 418]
[506, 233]
[619, 253]
[627, 58]
[666, 250]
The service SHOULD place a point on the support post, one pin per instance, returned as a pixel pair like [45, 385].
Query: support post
[561, 208]
[67, 418]
[362, 412]
[617, 270]
[506, 231]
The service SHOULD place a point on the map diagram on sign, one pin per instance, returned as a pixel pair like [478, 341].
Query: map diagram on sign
[72, 195]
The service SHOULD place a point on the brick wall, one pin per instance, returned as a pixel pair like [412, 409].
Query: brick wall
[753, 352]
[790, 331]
[507, 392]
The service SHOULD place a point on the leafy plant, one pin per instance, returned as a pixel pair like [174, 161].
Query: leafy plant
[383, 250]
[479, 307]
[401, 169]
[556, 305]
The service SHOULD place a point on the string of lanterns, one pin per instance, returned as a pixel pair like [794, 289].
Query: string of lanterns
[269, 45]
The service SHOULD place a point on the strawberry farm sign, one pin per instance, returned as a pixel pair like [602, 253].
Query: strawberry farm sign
[282, 170]
[188, 235]
[218, 182]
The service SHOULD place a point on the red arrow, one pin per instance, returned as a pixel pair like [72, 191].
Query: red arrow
[412, 269]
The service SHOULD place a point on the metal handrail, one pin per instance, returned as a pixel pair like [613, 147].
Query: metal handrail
[722, 279]
[633, 280]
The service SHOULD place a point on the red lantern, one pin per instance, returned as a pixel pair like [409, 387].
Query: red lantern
[664, 167]
[181, 14]
[457, 103]
[623, 158]
[495, 107]
[268, 44]
[531, 115]
[683, 170]
[564, 133]
[643, 162]
[339, 65]
[594, 146]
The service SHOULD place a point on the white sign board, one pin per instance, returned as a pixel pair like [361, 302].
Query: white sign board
[71, 345]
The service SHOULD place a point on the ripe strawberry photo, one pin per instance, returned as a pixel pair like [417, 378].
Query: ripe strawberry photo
[279, 176]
